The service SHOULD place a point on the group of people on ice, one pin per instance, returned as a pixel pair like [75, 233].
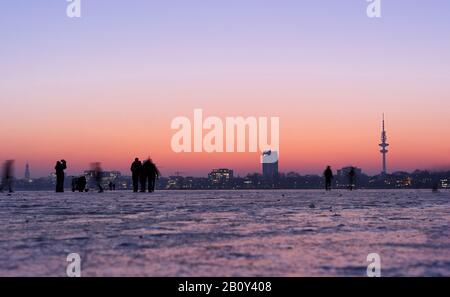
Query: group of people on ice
[144, 173]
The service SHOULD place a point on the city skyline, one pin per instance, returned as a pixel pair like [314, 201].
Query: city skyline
[224, 179]
[269, 169]
[323, 67]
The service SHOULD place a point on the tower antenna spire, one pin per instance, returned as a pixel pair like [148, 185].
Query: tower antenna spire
[383, 145]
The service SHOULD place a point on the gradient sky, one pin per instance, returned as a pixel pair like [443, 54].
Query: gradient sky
[107, 86]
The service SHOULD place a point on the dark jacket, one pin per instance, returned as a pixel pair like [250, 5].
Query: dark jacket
[149, 169]
[328, 174]
[136, 167]
[60, 167]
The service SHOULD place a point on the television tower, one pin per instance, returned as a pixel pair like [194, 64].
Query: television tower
[383, 145]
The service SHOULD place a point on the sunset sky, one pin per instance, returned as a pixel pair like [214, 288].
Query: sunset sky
[106, 87]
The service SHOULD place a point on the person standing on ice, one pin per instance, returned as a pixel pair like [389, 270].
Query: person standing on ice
[98, 175]
[59, 168]
[136, 168]
[8, 176]
[148, 175]
[351, 179]
[328, 174]
[153, 175]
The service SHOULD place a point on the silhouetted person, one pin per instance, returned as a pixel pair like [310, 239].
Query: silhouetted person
[351, 179]
[149, 174]
[143, 177]
[80, 184]
[98, 176]
[74, 184]
[152, 176]
[136, 168]
[328, 174]
[8, 176]
[59, 168]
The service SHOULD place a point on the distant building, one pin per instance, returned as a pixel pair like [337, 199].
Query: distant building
[107, 177]
[112, 174]
[342, 176]
[105, 174]
[27, 172]
[269, 160]
[343, 172]
[445, 184]
[219, 178]
[175, 182]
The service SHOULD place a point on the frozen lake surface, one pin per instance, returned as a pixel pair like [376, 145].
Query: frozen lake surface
[226, 233]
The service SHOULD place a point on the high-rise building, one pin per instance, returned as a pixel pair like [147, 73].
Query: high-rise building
[343, 172]
[175, 183]
[27, 171]
[343, 176]
[383, 145]
[269, 160]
